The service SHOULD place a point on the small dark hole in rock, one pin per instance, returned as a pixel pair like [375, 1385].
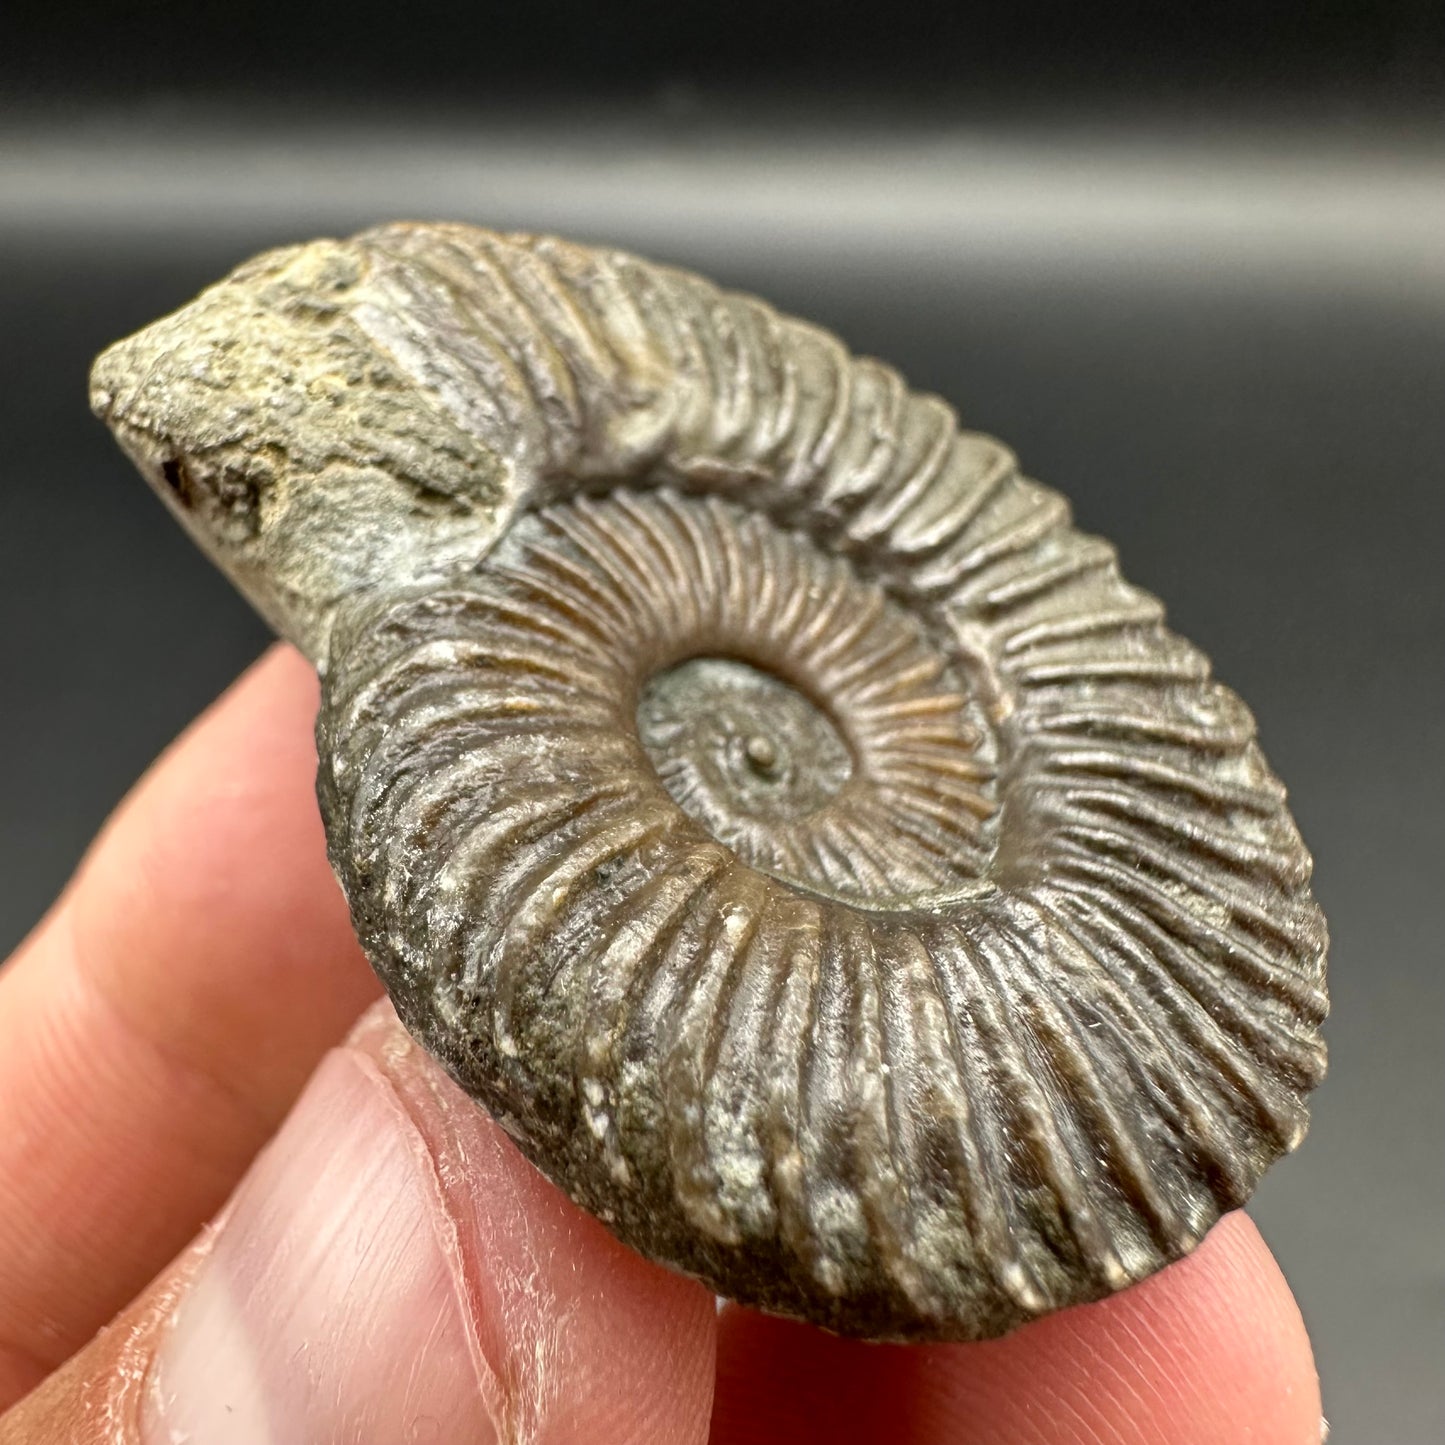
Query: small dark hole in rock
[176, 479]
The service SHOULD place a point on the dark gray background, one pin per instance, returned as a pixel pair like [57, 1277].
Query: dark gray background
[1196, 279]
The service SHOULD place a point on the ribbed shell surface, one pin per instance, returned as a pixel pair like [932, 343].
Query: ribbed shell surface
[993, 982]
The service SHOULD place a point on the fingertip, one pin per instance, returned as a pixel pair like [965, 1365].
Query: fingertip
[1210, 1351]
[1215, 1345]
[629, 1348]
[391, 1268]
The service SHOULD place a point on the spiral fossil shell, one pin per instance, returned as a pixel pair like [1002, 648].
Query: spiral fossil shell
[818, 858]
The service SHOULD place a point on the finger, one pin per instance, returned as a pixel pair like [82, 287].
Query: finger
[157, 1025]
[1211, 1351]
[391, 1269]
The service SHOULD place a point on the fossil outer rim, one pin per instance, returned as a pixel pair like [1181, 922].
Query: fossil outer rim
[1003, 1026]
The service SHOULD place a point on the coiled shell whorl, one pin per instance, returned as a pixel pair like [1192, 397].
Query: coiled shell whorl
[830, 872]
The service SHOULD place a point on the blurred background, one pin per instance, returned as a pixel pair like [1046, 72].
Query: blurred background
[1190, 264]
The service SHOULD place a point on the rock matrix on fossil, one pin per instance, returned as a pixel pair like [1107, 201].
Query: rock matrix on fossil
[748, 784]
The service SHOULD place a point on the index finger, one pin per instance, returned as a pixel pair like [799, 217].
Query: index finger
[159, 1022]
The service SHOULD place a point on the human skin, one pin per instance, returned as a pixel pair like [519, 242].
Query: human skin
[158, 1027]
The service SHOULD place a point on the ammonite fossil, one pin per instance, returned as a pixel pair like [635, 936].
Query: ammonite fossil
[748, 785]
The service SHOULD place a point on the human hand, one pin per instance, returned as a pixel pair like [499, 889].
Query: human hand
[390, 1269]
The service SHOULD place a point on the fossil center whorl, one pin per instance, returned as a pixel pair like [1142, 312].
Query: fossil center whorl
[805, 719]
[740, 749]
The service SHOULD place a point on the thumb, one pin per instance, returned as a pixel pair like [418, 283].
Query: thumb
[391, 1270]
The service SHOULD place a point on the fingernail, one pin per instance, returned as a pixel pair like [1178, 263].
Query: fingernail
[329, 1307]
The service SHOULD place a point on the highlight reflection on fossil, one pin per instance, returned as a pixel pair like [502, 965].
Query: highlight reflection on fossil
[747, 784]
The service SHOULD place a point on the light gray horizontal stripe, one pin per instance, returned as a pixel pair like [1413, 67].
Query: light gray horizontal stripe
[1251, 203]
